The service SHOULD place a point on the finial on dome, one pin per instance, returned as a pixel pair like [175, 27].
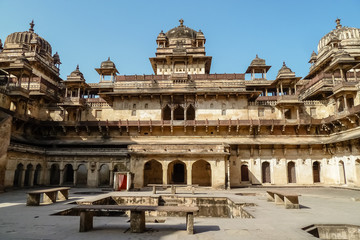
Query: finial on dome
[338, 25]
[77, 67]
[284, 64]
[181, 22]
[257, 56]
[32, 24]
[108, 58]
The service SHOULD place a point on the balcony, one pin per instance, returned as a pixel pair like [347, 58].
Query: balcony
[73, 101]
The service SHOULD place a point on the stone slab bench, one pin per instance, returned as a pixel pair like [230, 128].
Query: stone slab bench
[49, 196]
[137, 215]
[173, 187]
[290, 200]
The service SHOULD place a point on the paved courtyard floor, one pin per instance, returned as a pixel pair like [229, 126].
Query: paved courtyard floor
[319, 205]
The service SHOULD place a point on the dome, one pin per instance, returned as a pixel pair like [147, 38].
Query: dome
[28, 37]
[107, 64]
[181, 31]
[77, 73]
[257, 61]
[284, 69]
[341, 34]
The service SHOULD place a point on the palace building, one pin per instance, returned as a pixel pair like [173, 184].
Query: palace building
[182, 124]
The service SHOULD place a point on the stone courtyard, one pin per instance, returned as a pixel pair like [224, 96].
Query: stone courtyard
[318, 205]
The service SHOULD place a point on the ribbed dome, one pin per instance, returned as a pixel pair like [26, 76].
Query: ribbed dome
[107, 64]
[257, 61]
[181, 31]
[348, 36]
[28, 37]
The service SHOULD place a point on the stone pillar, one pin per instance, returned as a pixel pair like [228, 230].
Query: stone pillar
[189, 173]
[297, 114]
[165, 167]
[61, 177]
[31, 177]
[345, 103]
[75, 177]
[281, 89]
[111, 178]
[342, 74]
[78, 92]
[266, 92]
[277, 91]
[172, 113]
[22, 177]
[66, 92]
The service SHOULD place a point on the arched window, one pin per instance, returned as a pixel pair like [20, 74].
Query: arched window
[166, 113]
[190, 113]
[179, 113]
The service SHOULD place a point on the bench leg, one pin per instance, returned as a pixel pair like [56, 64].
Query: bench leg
[33, 200]
[137, 221]
[279, 199]
[86, 221]
[270, 197]
[292, 203]
[50, 197]
[173, 190]
[190, 223]
[63, 195]
[154, 190]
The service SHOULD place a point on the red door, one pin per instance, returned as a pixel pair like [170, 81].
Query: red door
[122, 182]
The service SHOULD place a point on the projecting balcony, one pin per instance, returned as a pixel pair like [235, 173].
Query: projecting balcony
[16, 90]
[73, 101]
[345, 87]
[288, 100]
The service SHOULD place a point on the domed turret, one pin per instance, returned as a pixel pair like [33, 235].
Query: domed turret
[107, 64]
[76, 73]
[346, 36]
[107, 68]
[181, 31]
[30, 39]
[258, 65]
[285, 71]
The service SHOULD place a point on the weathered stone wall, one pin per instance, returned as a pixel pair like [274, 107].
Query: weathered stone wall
[5, 133]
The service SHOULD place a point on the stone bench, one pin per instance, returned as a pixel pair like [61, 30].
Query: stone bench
[49, 196]
[137, 215]
[173, 187]
[290, 200]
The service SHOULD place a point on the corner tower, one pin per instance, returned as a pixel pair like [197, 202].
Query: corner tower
[181, 51]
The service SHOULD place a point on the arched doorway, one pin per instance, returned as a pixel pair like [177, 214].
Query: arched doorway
[179, 113]
[68, 174]
[201, 173]
[18, 175]
[266, 177]
[37, 175]
[342, 172]
[190, 113]
[177, 172]
[316, 172]
[153, 173]
[28, 173]
[245, 173]
[104, 175]
[81, 175]
[166, 113]
[291, 172]
[54, 174]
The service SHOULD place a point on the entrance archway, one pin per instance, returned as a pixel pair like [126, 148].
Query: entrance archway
[245, 173]
[68, 174]
[266, 177]
[201, 173]
[81, 178]
[104, 175]
[177, 172]
[291, 172]
[54, 174]
[28, 173]
[342, 172]
[37, 175]
[316, 172]
[18, 175]
[153, 173]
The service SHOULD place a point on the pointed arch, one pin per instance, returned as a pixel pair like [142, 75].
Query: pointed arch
[68, 174]
[153, 172]
[244, 173]
[291, 172]
[104, 175]
[190, 112]
[18, 175]
[166, 113]
[201, 173]
[37, 175]
[55, 174]
[177, 172]
[179, 113]
[28, 173]
[342, 177]
[81, 175]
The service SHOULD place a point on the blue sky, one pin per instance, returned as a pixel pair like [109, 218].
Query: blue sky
[88, 32]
